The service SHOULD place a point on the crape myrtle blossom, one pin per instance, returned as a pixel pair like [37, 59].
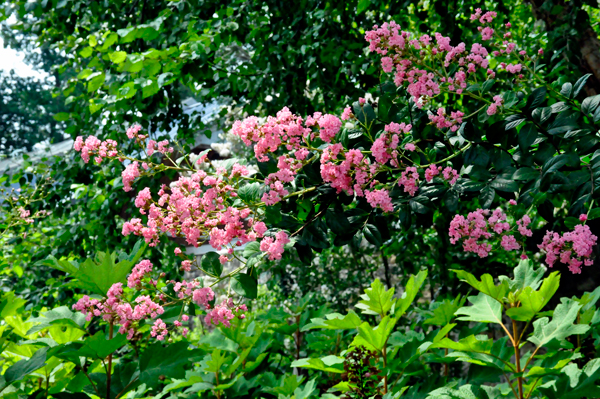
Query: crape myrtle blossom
[483, 227]
[422, 64]
[573, 248]
[150, 303]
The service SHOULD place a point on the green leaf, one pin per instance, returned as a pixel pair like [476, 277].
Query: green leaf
[62, 316]
[335, 321]
[487, 196]
[62, 116]
[590, 104]
[250, 193]
[328, 364]
[10, 304]
[118, 56]
[375, 338]
[307, 391]
[527, 136]
[536, 98]
[580, 84]
[22, 368]
[373, 235]
[532, 301]
[525, 275]
[149, 88]
[95, 81]
[410, 292]
[574, 383]
[99, 275]
[486, 285]
[444, 313]
[158, 360]
[211, 264]
[376, 300]
[362, 6]
[245, 285]
[561, 326]
[484, 309]
[98, 347]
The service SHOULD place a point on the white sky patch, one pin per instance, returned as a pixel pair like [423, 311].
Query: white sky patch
[11, 59]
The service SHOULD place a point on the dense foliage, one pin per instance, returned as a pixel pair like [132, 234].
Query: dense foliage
[413, 215]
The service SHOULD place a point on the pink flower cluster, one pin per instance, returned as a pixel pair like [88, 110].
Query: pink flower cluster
[573, 248]
[441, 119]
[449, 174]
[24, 214]
[92, 146]
[481, 226]
[410, 180]
[347, 171]
[137, 274]
[380, 199]
[418, 62]
[385, 147]
[493, 108]
[196, 207]
[128, 315]
[225, 312]
[274, 247]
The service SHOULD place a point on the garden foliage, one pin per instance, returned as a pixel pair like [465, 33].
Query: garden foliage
[471, 139]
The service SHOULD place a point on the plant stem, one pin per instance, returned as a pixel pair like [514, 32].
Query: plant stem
[517, 359]
[385, 379]
[109, 370]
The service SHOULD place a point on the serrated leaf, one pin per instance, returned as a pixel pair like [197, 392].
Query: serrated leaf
[376, 300]
[335, 321]
[484, 309]
[533, 301]
[486, 285]
[561, 326]
[328, 364]
[410, 292]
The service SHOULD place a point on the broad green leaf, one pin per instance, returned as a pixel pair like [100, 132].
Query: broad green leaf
[95, 81]
[22, 368]
[376, 300]
[10, 304]
[328, 364]
[410, 292]
[532, 302]
[466, 392]
[211, 264]
[98, 276]
[59, 316]
[363, 5]
[574, 383]
[376, 337]
[486, 285]
[335, 321]
[159, 360]
[98, 347]
[561, 326]
[250, 193]
[245, 285]
[484, 309]
[525, 275]
[118, 56]
[307, 391]
[444, 313]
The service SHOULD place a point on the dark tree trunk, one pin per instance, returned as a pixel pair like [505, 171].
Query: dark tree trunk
[585, 45]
